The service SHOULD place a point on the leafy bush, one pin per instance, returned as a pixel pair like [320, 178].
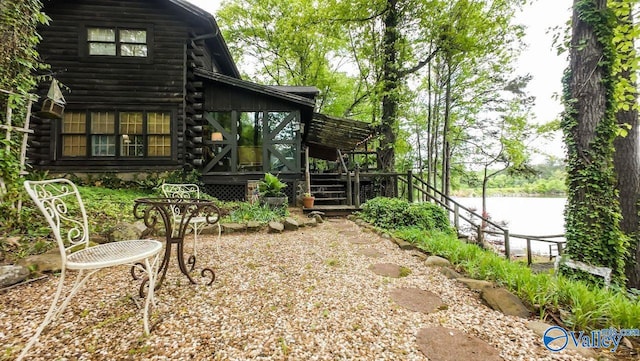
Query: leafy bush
[271, 186]
[394, 213]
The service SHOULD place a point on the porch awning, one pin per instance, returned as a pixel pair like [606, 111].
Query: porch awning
[326, 134]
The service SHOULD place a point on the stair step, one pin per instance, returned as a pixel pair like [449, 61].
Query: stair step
[329, 192]
[321, 199]
[327, 186]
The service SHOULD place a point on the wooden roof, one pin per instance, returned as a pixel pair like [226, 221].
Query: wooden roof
[326, 134]
[221, 51]
[255, 87]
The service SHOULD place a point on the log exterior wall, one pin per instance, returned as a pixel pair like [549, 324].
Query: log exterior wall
[152, 83]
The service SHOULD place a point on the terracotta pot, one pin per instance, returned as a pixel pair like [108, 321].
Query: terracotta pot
[307, 202]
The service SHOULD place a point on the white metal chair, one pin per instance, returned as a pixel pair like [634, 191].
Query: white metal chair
[197, 224]
[62, 206]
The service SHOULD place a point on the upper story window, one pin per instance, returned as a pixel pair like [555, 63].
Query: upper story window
[117, 42]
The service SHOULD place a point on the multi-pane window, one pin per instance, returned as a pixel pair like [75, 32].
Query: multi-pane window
[117, 42]
[103, 139]
[132, 144]
[74, 137]
[116, 134]
[159, 134]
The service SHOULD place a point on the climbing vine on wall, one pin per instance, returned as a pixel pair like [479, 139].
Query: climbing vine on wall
[19, 62]
[593, 213]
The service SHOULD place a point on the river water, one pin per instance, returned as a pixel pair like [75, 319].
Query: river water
[533, 216]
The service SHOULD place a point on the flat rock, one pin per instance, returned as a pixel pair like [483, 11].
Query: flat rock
[309, 222]
[12, 274]
[46, 262]
[253, 226]
[504, 301]
[450, 273]
[404, 245]
[415, 299]
[363, 239]
[233, 227]
[445, 344]
[291, 224]
[123, 231]
[475, 284]
[436, 261]
[276, 227]
[386, 269]
[370, 252]
[539, 328]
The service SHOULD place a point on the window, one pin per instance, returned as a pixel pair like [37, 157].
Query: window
[124, 134]
[117, 42]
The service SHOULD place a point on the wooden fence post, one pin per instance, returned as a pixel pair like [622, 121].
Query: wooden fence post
[410, 186]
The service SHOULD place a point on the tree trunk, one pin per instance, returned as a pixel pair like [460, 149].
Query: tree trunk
[388, 126]
[627, 166]
[592, 212]
[446, 145]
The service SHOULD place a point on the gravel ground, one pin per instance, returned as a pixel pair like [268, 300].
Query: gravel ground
[304, 295]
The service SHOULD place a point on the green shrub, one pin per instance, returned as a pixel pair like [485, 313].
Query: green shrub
[394, 213]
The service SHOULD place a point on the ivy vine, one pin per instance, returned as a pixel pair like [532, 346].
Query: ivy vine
[593, 213]
[19, 62]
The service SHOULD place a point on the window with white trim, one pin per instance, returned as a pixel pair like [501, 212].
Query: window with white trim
[117, 42]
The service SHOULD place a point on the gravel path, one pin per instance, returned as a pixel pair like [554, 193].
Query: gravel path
[304, 295]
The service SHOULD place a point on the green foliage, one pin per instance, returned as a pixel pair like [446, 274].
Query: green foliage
[242, 212]
[271, 186]
[581, 306]
[395, 213]
[18, 62]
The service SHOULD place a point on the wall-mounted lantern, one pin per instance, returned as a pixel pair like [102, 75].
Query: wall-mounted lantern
[216, 137]
[53, 105]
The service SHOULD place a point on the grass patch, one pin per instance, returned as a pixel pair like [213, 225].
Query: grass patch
[580, 306]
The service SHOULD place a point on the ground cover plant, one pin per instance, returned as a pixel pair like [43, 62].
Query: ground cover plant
[108, 201]
[578, 305]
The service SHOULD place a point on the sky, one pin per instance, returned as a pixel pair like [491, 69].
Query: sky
[539, 59]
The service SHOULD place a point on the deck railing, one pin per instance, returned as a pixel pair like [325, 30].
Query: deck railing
[413, 188]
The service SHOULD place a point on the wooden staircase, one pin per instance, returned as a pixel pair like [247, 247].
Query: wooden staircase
[330, 191]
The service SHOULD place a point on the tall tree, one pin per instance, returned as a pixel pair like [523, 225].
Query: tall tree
[589, 125]
[627, 145]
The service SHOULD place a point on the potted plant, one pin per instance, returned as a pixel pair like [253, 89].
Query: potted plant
[307, 200]
[270, 189]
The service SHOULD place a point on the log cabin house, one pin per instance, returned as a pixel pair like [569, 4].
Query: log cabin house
[153, 88]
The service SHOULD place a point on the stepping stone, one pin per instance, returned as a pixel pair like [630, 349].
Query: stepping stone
[361, 240]
[445, 344]
[388, 270]
[370, 252]
[415, 299]
[348, 233]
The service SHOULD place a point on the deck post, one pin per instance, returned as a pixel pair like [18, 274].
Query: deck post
[307, 173]
[410, 186]
[456, 216]
[507, 247]
[349, 189]
[529, 261]
[357, 187]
